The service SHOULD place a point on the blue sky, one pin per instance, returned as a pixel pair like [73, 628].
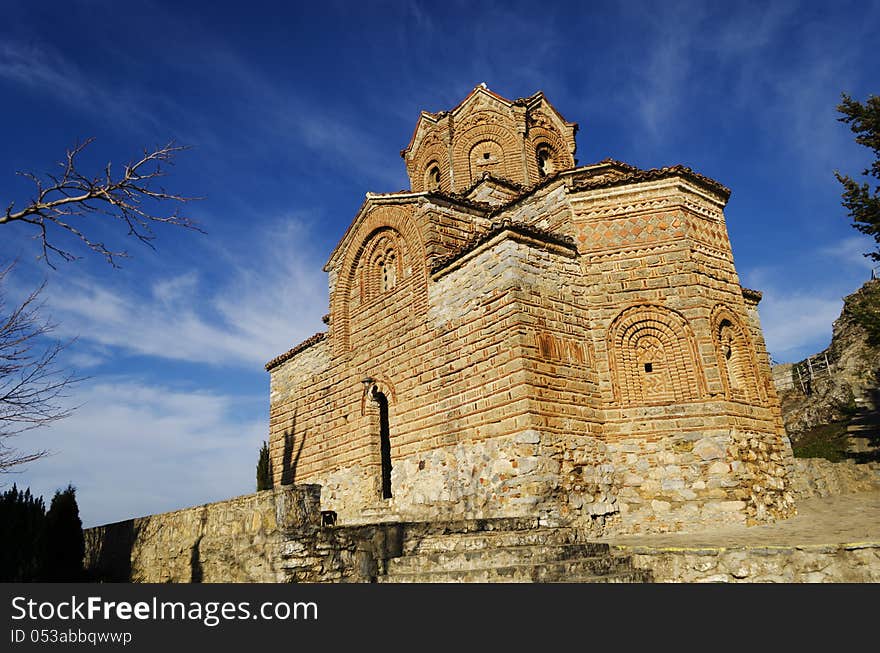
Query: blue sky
[293, 112]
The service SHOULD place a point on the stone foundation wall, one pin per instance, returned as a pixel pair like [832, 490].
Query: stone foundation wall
[699, 479]
[511, 476]
[851, 563]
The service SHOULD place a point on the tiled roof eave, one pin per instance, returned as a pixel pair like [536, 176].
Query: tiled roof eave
[483, 237]
[656, 174]
[290, 353]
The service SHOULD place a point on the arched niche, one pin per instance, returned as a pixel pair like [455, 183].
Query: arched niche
[653, 357]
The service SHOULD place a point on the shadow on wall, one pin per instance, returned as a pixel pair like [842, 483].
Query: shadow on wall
[195, 564]
[289, 460]
[108, 552]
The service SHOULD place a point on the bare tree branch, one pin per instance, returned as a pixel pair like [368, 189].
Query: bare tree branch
[32, 384]
[67, 201]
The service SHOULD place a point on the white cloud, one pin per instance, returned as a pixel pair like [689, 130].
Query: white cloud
[801, 300]
[272, 298]
[851, 252]
[41, 67]
[132, 449]
[797, 325]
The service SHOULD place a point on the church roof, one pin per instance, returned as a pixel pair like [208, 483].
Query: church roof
[290, 353]
[478, 239]
[636, 175]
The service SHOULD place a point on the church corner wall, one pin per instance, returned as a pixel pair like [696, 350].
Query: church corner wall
[289, 383]
[698, 444]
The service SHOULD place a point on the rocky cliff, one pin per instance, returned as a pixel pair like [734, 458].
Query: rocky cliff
[839, 384]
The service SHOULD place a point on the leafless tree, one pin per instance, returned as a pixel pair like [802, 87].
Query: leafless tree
[65, 202]
[32, 384]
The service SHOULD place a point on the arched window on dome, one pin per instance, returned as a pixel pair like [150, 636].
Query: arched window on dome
[433, 176]
[544, 156]
[486, 156]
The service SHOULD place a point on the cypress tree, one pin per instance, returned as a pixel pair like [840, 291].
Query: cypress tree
[264, 470]
[22, 525]
[64, 543]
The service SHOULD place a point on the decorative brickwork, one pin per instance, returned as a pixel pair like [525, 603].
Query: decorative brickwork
[653, 357]
[516, 337]
[522, 141]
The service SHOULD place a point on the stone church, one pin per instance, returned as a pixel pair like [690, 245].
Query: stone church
[520, 335]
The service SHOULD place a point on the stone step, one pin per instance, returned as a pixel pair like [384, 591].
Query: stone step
[375, 515]
[631, 576]
[495, 556]
[491, 539]
[580, 570]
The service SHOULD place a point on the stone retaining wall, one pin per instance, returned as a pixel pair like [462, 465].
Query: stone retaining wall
[229, 541]
[845, 563]
[267, 537]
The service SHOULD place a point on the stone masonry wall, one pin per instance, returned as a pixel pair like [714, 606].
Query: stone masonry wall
[267, 537]
[850, 563]
[230, 541]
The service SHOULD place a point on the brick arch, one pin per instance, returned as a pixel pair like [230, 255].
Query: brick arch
[432, 150]
[735, 354]
[384, 250]
[653, 357]
[388, 221]
[381, 384]
[465, 141]
[562, 159]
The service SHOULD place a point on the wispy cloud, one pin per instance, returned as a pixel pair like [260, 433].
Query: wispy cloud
[337, 135]
[797, 325]
[798, 310]
[40, 67]
[851, 252]
[272, 297]
[134, 449]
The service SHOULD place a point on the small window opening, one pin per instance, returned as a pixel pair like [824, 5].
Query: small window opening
[486, 155]
[545, 163]
[384, 442]
[649, 367]
[434, 177]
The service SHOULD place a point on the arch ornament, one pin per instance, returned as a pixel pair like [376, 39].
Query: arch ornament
[500, 143]
[653, 357]
[385, 254]
[737, 363]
